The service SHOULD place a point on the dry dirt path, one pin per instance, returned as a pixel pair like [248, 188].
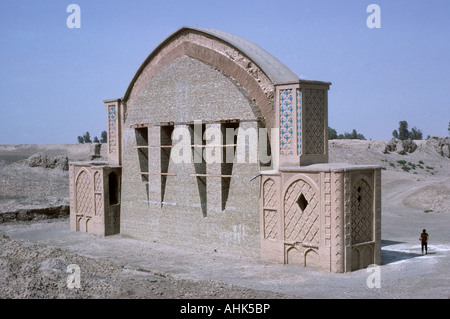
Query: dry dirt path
[404, 273]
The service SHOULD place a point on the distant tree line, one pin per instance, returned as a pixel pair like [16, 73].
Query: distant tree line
[333, 135]
[86, 138]
[403, 133]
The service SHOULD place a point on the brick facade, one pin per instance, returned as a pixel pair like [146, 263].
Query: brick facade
[184, 179]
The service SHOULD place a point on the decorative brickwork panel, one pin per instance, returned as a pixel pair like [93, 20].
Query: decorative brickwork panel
[378, 206]
[287, 138]
[83, 190]
[299, 122]
[98, 204]
[71, 188]
[270, 224]
[347, 207]
[270, 194]
[361, 211]
[98, 194]
[97, 182]
[314, 124]
[301, 214]
[112, 129]
[327, 206]
[338, 251]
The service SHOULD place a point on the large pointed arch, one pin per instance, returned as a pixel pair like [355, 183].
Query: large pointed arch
[253, 68]
[83, 193]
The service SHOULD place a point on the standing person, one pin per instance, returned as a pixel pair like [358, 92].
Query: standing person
[424, 239]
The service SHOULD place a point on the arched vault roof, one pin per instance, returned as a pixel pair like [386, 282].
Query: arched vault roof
[277, 72]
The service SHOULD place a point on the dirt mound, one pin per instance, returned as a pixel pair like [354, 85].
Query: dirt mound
[35, 214]
[432, 198]
[440, 144]
[43, 160]
[400, 147]
[30, 270]
[422, 153]
[23, 187]
[37, 271]
[74, 152]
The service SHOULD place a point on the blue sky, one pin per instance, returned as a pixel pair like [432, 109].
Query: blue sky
[53, 79]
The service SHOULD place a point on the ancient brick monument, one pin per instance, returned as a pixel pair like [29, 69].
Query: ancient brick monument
[183, 167]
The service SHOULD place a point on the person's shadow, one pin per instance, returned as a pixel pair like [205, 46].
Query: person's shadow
[389, 256]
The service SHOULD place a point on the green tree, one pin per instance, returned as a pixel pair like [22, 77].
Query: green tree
[103, 137]
[403, 132]
[80, 140]
[416, 134]
[87, 138]
[96, 139]
[332, 134]
[354, 135]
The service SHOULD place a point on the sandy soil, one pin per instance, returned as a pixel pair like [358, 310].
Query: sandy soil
[34, 255]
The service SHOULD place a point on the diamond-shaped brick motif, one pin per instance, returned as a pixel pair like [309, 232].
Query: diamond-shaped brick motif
[270, 194]
[112, 129]
[301, 226]
[98, 196]
[314, 127]
[97, 182]
[270, 224]
[83, 189]
[98, 204]
[362, 215]
[270, 200]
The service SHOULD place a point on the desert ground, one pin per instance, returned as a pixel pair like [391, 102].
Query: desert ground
[36, 245]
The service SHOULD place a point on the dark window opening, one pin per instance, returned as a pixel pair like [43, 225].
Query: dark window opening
[113, 185]
[198, 143]
[302, 202]
[141, 135]
[166, 149]
[229, 141]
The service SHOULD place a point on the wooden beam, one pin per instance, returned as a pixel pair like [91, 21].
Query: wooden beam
[140, 125]
[157, 146]
[210, 175]
[210, 145]
[258, 119]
